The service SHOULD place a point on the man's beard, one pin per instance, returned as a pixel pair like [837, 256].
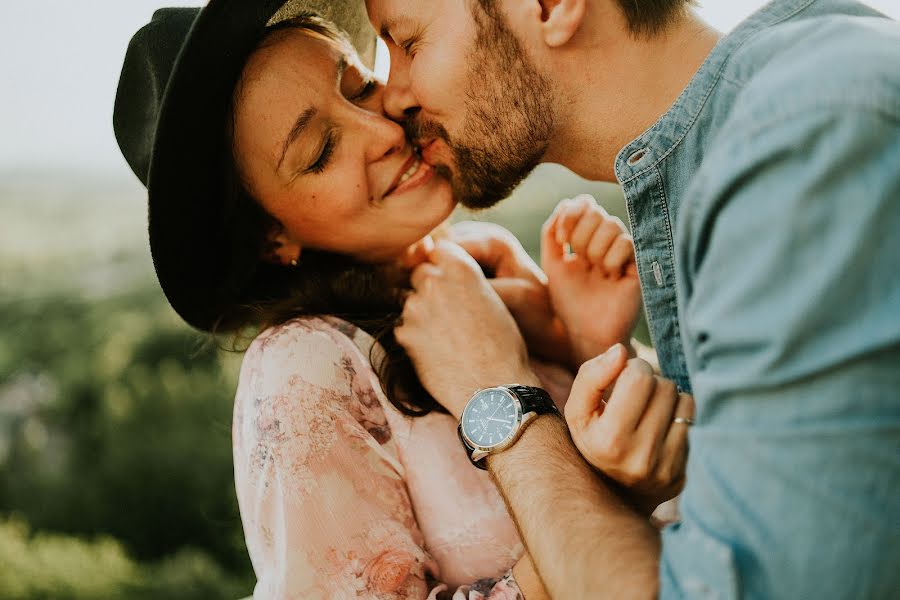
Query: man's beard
[508, 118]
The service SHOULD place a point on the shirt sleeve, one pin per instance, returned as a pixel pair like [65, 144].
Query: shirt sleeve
[791, 314]
[323, 499]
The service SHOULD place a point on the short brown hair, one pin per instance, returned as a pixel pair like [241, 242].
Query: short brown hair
[651, 16]
[645, 17]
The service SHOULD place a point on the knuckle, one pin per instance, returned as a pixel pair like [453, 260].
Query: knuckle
[611, 228]
[571, 416]
[666, 387]
[612, 448]
[642, 467]
[663, 476]
[635, 372]
[628, 477]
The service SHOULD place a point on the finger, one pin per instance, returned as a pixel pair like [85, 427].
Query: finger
[621, 251]
[447, 253]
[421, 274]
[674, 451]
[489, 244]
[656, 420]
[584, 229]
[601, 241]
[633, 391]
[418, 252]
[554, 216]
[568, 217]
[550, 248]
[631, 269]
[511, 291]
[594, 376]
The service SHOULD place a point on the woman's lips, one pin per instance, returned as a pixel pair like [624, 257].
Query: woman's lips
[408, 168]
[422, 175]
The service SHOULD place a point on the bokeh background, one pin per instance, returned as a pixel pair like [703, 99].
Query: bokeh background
[115, 455]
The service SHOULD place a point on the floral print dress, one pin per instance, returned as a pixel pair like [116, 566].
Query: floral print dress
[342, 496]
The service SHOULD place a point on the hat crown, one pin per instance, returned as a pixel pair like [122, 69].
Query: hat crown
[145, 74]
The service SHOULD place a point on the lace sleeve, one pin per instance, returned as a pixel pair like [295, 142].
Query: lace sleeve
[322, 493]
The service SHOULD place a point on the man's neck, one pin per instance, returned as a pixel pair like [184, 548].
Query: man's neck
[613, 86]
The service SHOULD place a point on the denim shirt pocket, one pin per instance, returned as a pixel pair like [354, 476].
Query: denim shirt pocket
[695, 564]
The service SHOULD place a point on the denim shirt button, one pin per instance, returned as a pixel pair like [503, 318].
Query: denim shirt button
[657, 273]
[636, 157]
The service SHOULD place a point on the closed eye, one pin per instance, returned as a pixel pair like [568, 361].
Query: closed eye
[321, 163]
[365, 92]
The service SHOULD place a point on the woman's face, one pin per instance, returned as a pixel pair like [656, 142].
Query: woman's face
[315, 149]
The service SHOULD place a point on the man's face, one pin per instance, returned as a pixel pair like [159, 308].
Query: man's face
[466, 93]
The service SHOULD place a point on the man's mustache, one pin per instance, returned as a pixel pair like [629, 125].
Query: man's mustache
[418, 131]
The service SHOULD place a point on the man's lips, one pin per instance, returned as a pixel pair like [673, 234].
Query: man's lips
[428, 150]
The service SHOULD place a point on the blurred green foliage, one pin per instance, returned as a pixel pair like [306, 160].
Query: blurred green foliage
[115, 455]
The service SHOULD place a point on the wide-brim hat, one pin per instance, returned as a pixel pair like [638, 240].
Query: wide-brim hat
[170, 117]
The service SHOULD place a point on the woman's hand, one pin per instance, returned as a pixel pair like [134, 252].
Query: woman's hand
[457, 331]
[621, 418]
[521, 285]
[593, 281]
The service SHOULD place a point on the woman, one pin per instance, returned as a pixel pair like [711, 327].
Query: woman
[283, 201]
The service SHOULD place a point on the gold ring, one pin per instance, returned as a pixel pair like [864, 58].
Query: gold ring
[683, 420]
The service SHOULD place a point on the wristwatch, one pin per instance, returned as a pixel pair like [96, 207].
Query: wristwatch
[495, 417]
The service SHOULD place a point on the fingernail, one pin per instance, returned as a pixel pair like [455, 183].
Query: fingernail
[613, 354]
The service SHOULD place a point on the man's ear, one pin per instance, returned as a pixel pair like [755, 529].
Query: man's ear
[561, 20]
[280, 248]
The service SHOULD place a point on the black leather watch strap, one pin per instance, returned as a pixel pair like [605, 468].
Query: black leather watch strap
[533, 399]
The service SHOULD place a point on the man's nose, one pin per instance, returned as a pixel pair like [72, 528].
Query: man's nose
[399, 100]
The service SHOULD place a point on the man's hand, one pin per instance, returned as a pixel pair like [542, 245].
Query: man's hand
[457, 331]
[521, 285]
[593, 283]
[631, 437]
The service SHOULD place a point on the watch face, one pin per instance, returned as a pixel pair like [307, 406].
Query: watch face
[490, 417]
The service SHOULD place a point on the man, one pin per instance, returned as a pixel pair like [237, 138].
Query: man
[762, 176]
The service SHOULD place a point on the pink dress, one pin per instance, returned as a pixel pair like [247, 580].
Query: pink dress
[342, 496]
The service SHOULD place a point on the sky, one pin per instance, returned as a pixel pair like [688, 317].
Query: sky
[60, 62]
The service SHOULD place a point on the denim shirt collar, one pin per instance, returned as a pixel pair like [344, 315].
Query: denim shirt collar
[663, 137]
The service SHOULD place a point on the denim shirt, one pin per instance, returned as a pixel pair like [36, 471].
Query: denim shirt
[765, 210]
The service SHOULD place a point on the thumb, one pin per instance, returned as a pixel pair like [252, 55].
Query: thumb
[593, 378]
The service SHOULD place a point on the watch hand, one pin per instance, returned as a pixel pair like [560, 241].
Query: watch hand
[500, 421]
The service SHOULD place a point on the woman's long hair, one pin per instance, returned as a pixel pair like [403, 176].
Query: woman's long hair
[366, 295]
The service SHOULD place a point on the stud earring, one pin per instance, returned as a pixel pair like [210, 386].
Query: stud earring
[293, 262]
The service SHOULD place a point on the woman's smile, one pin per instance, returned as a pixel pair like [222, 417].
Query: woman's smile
[416, 173]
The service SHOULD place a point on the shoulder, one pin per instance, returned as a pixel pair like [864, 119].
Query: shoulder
[814, 119]
[826, 62]
[308, 370]
[321, 351]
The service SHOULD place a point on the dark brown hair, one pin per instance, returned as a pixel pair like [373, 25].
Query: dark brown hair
[645, 17]
[366, 295]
